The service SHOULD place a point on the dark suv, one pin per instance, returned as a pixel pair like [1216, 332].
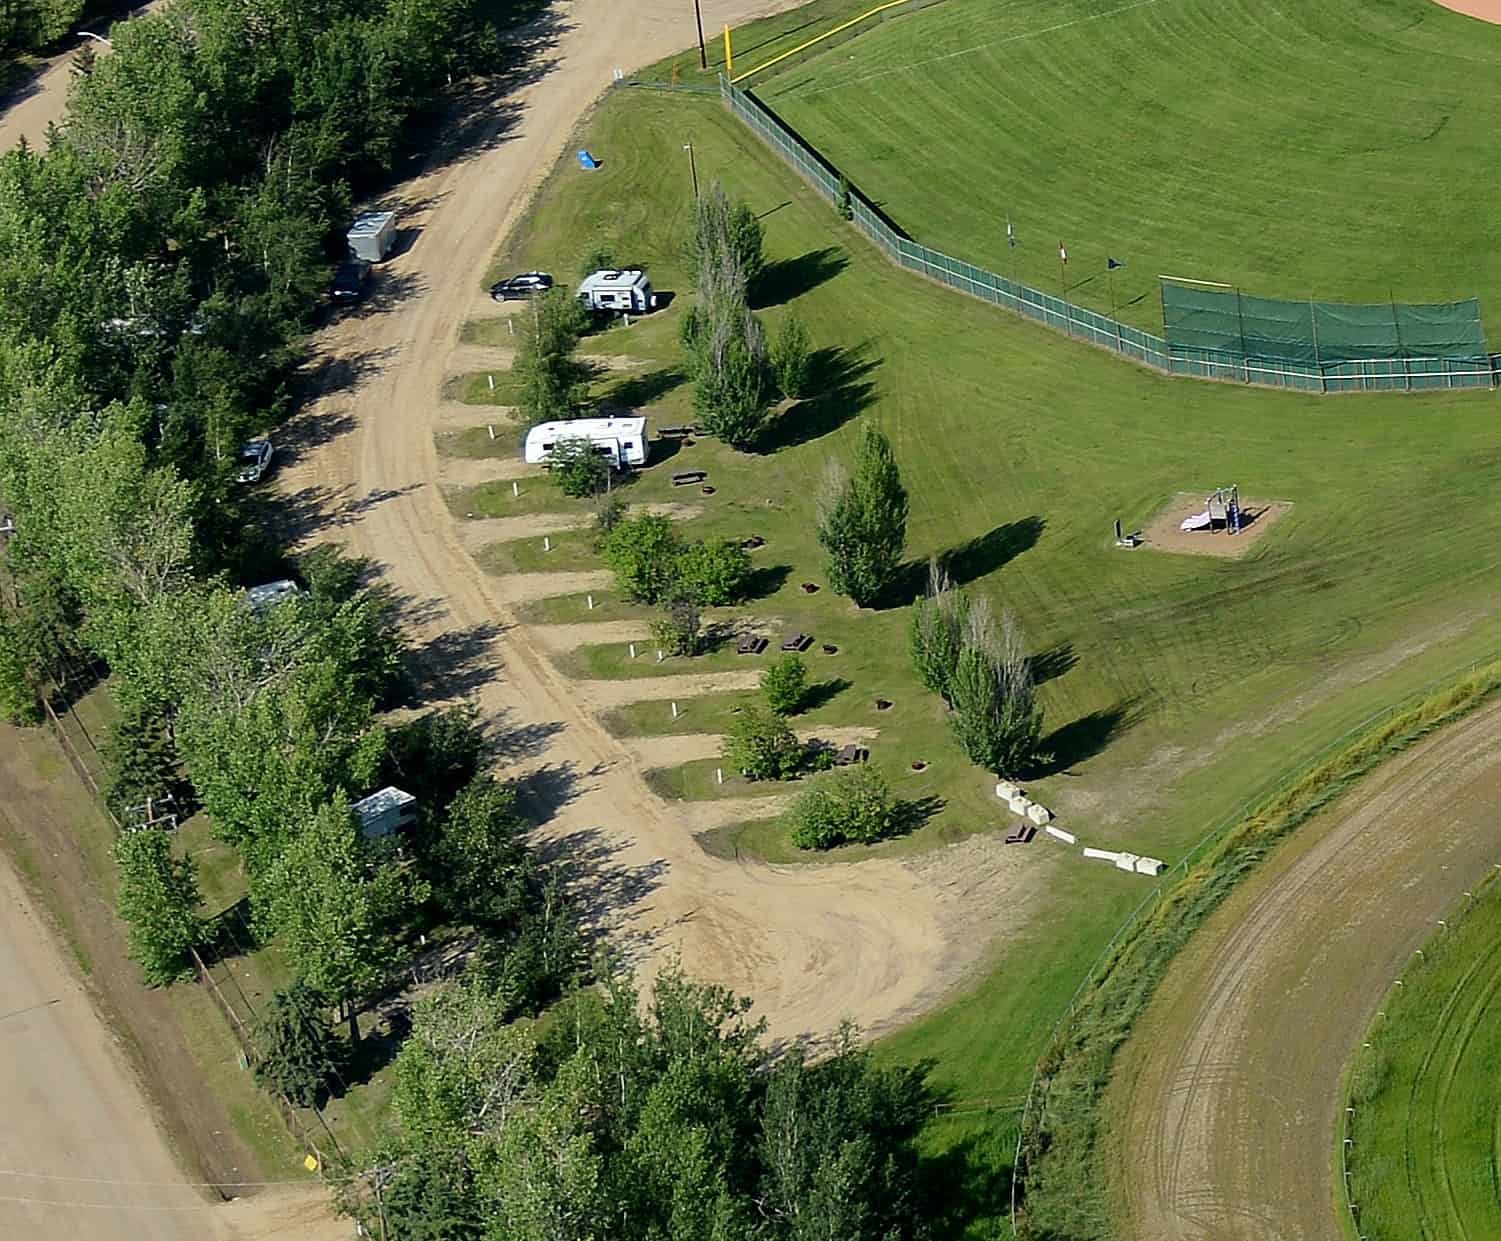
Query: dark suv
[351, 279]
[528, 284]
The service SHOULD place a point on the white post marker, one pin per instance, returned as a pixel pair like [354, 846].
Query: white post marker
[590, 598]
[719, 771]
[659, 655]
[491, 378]
[546, 543]
[490, 427]
[674, 710]
[515, 491]
[633, 650]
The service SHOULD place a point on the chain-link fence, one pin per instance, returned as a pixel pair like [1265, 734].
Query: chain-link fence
[1371, 375]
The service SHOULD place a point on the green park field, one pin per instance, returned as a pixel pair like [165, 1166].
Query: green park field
[1178, 687]
[1328, 148]
[1425, 1151]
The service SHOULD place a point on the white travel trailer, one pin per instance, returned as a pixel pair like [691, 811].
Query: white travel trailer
[622, 441]
[372, 235]
[618, 292]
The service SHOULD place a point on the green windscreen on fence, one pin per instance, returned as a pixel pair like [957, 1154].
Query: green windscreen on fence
[1232, 322]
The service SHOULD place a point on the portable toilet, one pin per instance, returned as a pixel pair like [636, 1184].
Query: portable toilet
[618, 292]
[385, 811]
[372, 235]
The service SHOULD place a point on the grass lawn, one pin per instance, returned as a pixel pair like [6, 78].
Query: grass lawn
[1176, 686]
[571, 609]
[1226, 140]
[476, 443]
[1425, 1094]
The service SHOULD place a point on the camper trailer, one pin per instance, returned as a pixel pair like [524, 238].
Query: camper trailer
[618, 292]
[385, 812]
[621, 440]
[372, 235]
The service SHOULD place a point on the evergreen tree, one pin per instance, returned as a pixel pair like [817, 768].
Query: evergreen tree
[862, 523]
[298, 1053]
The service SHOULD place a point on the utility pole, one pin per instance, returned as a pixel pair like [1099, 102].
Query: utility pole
[692, 167]
[703, 52]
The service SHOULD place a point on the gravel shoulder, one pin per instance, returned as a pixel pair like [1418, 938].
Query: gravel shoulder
[1223, 1107]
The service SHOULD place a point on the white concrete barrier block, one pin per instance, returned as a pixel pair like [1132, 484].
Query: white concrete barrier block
[1039, 814]
[1019, 805]
[1150, 866]
[1058, 833]
[1105, 855]
[1006, 790]
[1126, 861]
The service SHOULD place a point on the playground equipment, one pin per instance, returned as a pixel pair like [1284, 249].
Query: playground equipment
[1221, 510]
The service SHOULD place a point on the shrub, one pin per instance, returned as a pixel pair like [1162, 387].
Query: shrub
[643, 552]
[713, 574]
[939, 622]
[157, 899]
[760, 746]
[576, 468]
[609, 512]
[854, 806]
[678, 631]
[554, 384]
[785, 685]
[598, 257]
[299, 1053]
[791, 359]
[18, 700]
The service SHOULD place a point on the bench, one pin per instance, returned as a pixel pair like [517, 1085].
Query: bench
[687, 478]
[1021, 835]
[850, 754]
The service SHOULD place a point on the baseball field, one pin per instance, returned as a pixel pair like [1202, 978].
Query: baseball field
[1317, 148]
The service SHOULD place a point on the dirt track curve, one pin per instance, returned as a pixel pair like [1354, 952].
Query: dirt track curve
[813, 945]
[1225, 1102]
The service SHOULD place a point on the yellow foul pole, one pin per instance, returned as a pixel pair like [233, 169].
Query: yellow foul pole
[729, 53]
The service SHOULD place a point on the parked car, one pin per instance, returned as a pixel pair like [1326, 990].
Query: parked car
[262, 598]
[255, 460]
[528, 284]
[351, 279]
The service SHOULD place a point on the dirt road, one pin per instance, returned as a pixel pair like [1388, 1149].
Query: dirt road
[813, 945]
[1224, 1106]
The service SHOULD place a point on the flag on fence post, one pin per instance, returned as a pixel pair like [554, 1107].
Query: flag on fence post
[1010, 234]
[1110, 266]
[1063, 285]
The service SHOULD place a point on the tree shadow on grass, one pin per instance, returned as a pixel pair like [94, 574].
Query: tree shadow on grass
[1052, 663]
[1086, 736]
[765, 581]
[634, 391]
[912, 813]
[783, 280]
[840, 378]
[969, 1180]
[968, 562]
[823, 692]
[986, 553]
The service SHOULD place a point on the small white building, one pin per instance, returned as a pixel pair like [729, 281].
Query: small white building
[622, 441]
[385, 811]
[372, 235]
[618, 292]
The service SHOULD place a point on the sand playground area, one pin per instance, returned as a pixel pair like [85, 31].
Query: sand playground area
[1164, 533]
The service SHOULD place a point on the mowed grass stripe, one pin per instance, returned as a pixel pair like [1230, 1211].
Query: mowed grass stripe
[1426, 1093]
[1334, 148]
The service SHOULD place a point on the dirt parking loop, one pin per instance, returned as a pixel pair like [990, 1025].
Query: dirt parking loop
[1224, 1104]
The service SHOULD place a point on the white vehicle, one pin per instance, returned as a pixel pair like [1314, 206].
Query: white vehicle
[255, 460]
[372, 235]
[618, 292]
[267, 595]
[622, 441]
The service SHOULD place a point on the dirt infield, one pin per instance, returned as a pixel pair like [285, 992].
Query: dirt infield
[1222, 1112]
[1485, 10]
[1163, 532]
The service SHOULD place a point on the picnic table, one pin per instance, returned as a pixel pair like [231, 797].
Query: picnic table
[750, 644]
[686, 478]
[1021, 834]
[850, 754]
[797, 642]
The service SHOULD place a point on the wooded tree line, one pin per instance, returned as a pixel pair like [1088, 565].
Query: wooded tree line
[668, 1124]
[159, 263]
[35, 25]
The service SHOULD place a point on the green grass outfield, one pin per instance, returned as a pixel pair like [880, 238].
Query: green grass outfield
[1426, 1092]
[1220, 674]
[1334, 148]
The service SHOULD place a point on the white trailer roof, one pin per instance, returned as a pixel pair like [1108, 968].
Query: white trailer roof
[590, 428]
[628, 278]
[370, 223]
